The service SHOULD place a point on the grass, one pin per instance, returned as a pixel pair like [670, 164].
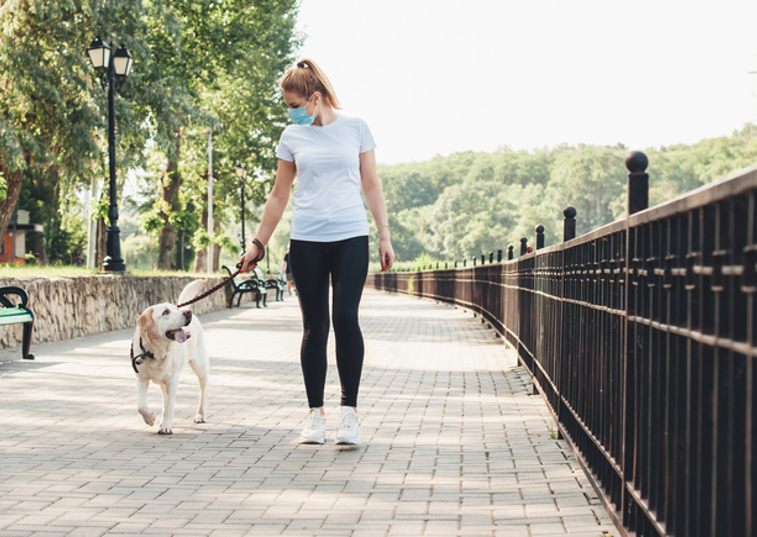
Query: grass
[68, 271]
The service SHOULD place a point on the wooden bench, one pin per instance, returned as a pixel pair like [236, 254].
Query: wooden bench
[240, 286]
[11, 313]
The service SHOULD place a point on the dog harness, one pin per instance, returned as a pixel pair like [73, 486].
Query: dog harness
[145, 354]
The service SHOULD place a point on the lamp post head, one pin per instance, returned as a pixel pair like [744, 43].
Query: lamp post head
[122, 61]
[99, 53]
[241, 171]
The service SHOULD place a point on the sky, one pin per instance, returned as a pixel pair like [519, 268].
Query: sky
[435, 77]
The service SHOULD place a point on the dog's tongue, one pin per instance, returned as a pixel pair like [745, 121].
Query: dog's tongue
[180, 335]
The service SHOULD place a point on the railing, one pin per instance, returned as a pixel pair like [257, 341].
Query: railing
[641, 337]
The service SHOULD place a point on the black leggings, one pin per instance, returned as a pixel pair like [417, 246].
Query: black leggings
[347, 263]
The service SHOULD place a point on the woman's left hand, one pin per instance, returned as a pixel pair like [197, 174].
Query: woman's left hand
[386, 254]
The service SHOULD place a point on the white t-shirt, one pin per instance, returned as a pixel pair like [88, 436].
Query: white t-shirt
[327, 202]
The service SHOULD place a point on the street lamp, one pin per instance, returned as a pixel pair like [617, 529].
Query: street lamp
[112, 69]
[241, 174]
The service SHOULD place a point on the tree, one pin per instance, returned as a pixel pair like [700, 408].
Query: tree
[225, 58]
[51, 104]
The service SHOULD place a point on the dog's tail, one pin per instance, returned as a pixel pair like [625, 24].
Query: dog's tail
[190, 291]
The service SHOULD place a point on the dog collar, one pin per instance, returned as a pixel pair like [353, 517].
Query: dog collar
[145, 354]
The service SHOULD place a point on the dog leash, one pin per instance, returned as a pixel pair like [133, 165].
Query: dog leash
[224, 282]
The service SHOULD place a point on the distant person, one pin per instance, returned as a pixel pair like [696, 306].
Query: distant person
[333, 155]
[78, 258]
[286, 270]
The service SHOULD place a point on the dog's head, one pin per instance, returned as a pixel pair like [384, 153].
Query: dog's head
[164, 322]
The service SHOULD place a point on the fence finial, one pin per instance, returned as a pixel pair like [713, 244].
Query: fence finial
[539, 229]
[523, 245]
[510, 248]
[569, 225]
[638, 182]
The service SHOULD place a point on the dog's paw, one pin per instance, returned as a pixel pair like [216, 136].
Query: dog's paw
[148, 416]
[165, 430]
[199, 418]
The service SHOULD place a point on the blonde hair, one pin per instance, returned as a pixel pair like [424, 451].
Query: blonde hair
[307, 78]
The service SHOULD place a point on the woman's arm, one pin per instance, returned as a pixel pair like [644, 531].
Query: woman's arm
[374, 195]
[274, 208]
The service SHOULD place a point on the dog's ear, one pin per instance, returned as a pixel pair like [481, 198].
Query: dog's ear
[145, 322]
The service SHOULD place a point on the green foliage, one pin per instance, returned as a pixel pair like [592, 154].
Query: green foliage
[198, 65]
[426, 260]
[469, 204]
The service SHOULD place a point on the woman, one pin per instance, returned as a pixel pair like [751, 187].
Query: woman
[286, 270]
[333, 156]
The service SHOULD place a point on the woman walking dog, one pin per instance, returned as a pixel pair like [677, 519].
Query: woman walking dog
[333, 156]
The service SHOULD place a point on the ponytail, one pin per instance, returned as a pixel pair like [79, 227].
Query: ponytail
[307, 78]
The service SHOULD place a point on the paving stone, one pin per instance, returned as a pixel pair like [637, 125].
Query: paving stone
[454, 444]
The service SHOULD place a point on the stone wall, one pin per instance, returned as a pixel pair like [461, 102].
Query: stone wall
[66, 308]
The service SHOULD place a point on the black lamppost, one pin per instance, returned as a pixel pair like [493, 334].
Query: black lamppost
[241, 174]
[112, 69]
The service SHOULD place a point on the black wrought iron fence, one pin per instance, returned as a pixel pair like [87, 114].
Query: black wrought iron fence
[641, 337]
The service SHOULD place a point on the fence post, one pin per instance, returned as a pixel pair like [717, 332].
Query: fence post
[638, 182]
[483, 259]
[539, 229]
[491, 257]
[510, 248]
[499, 255]
[464, 262]
[474, 260]
[523, 245]
[569, 224]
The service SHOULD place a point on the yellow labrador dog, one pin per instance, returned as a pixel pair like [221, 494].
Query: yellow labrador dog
[165, 340]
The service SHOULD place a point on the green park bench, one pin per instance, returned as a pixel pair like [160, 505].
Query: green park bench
[11, 313]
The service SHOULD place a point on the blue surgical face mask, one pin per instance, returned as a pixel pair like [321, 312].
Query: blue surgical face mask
[300, 116]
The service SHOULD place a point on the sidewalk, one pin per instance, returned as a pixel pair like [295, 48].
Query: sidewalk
[453, 442]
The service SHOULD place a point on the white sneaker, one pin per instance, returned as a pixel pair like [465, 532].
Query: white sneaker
[348, 431]
[315, 429]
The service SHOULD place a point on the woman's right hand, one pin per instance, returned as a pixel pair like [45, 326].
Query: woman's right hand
[249, 259]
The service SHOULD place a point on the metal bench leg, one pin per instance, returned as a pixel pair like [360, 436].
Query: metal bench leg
[27, 341]
[231, 301]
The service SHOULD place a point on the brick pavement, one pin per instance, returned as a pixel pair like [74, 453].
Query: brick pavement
[453, 442]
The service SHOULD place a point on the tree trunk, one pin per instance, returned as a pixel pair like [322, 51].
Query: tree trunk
[201, 261]
[8, 205]
[216, 255]
[101, 234]
[41, 255]
[201, 255]
[101, 244]
[171, 186]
